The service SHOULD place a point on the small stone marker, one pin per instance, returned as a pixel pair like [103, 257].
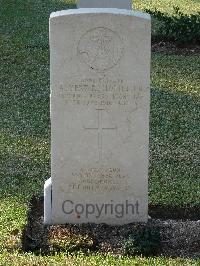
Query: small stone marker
[100, 98]
[122, 4]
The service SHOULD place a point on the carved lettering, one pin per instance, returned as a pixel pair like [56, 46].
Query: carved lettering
[101, 92]
[99, 179]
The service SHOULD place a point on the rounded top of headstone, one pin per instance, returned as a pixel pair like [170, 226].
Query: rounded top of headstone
[113, 11]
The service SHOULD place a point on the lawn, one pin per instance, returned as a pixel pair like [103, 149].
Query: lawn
[186, 6]
[25, 127]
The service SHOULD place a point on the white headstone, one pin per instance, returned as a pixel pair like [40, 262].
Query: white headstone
[122, 4]
[100, 90]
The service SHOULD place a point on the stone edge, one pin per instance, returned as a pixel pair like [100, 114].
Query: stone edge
[48, 202]
[80, 4]
[114, 11]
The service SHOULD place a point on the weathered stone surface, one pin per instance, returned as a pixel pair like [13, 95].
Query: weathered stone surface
[122, 4]
[100, 78]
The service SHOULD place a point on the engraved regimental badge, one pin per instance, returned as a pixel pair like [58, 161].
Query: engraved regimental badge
[100, 48]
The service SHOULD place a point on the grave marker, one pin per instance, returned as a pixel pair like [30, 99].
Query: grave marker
[122, 4]
[100, 98]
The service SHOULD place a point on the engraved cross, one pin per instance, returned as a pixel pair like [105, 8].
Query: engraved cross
[100, 129]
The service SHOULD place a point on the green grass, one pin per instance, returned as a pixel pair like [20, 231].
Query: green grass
[81, 260]
[175, 128]
[186, 6]
[25, 127]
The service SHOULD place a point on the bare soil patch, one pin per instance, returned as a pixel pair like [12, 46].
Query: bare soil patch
[179, 231]
[172, 48]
